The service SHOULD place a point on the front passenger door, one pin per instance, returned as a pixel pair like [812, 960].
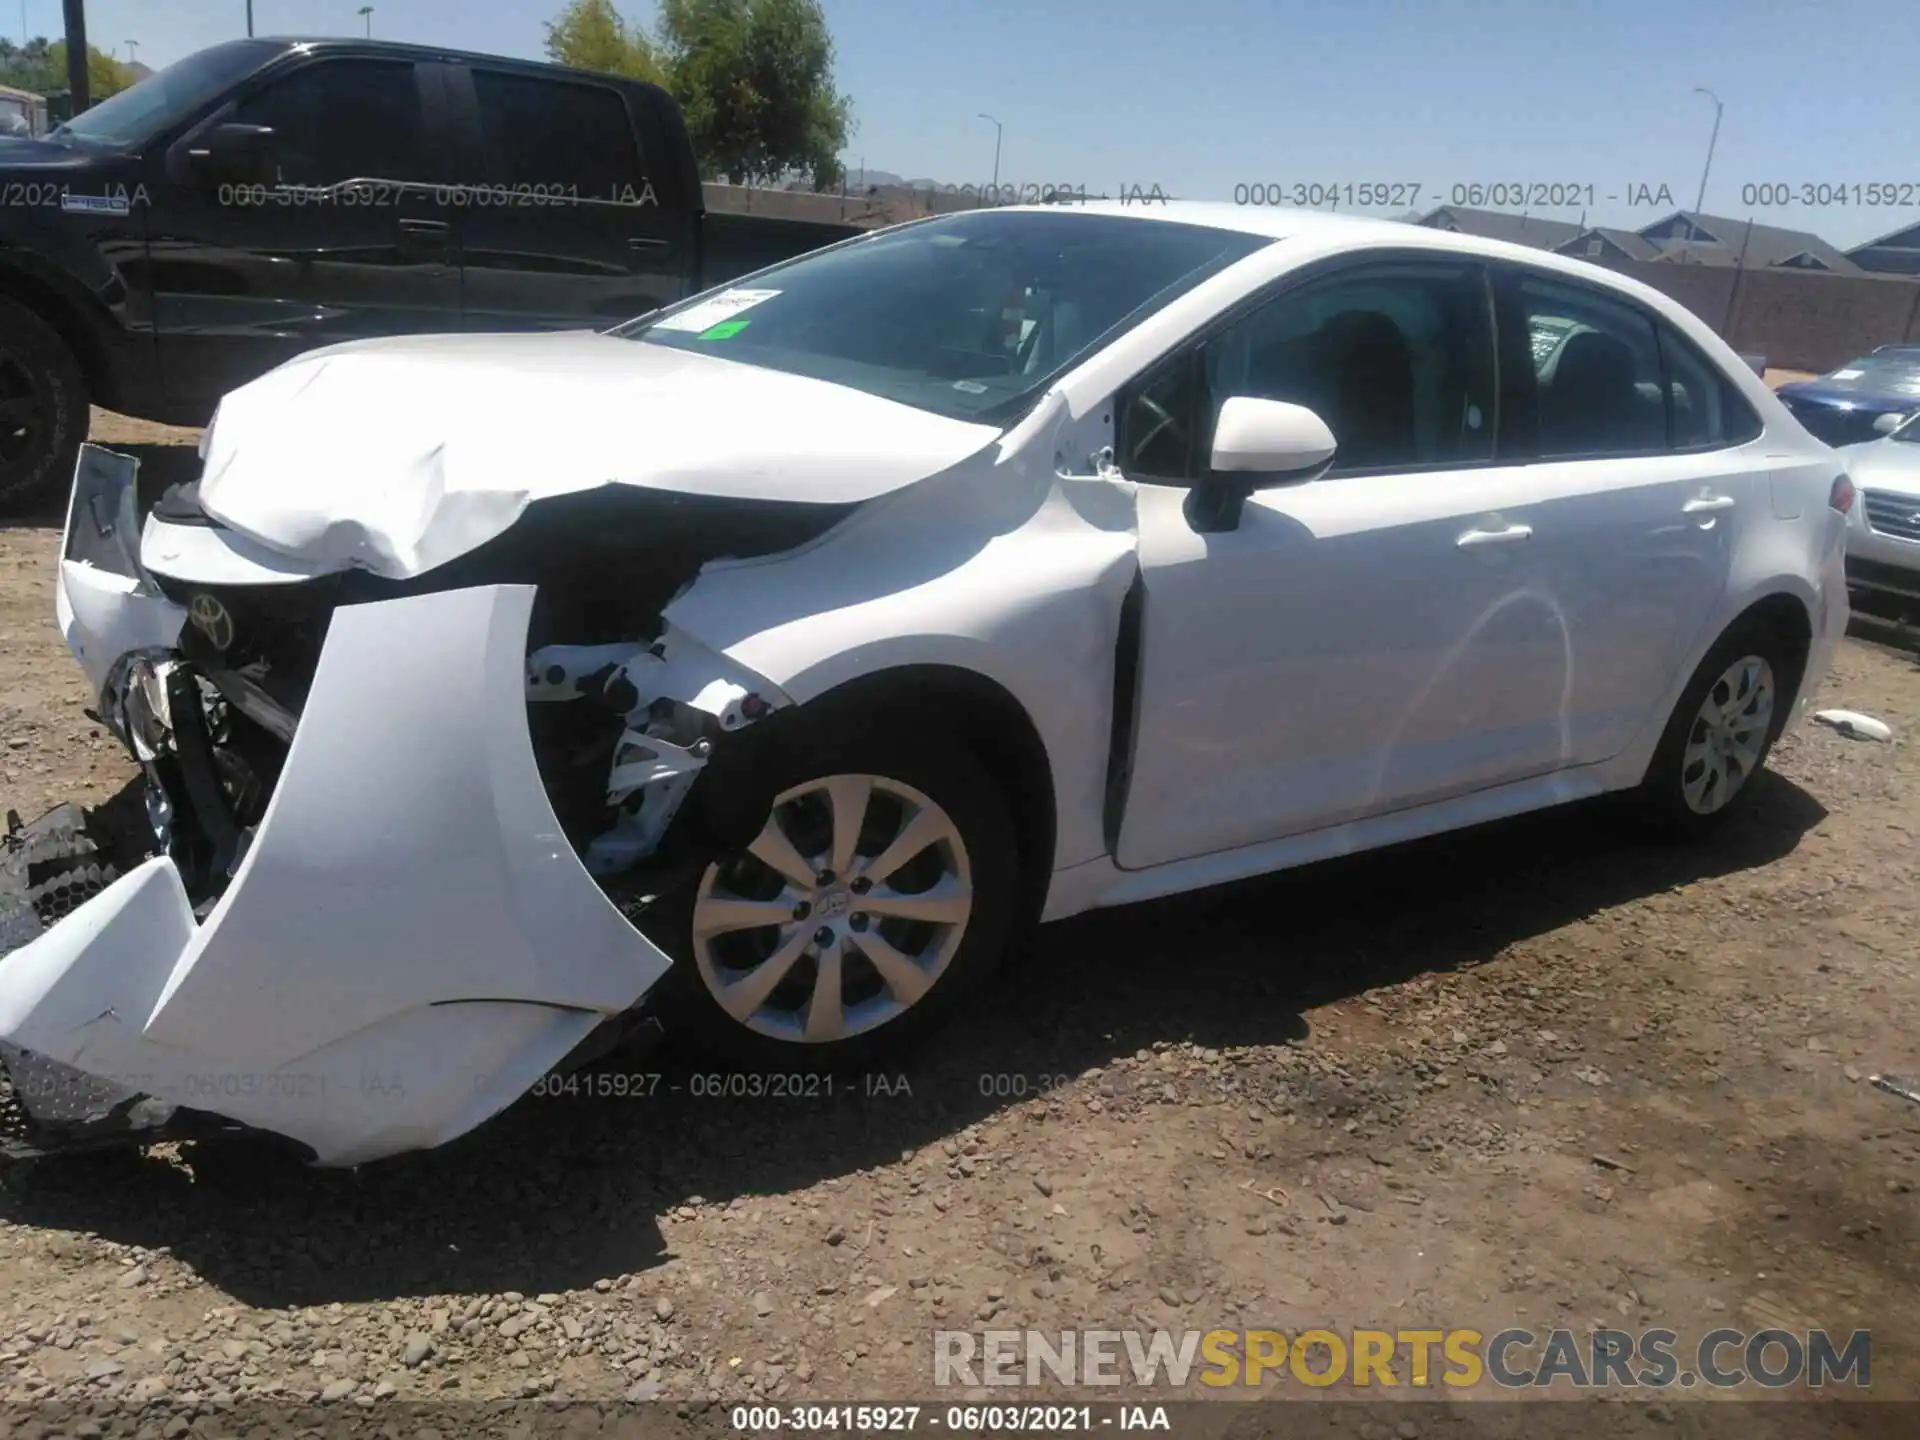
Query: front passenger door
[1377, 639]
[352, 241]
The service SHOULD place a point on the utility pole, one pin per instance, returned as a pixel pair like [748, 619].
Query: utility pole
[996, 153]
[1701, 198]
[76, 16]
[249, 19]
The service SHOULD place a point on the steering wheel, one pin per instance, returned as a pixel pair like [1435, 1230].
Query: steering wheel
[1163, 421]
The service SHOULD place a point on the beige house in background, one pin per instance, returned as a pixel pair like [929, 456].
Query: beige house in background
[22, 112]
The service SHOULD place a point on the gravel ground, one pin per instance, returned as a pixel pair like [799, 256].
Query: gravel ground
[1540, 1073]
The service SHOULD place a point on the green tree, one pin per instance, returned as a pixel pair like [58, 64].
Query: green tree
[591, 35]
[755, 79]
[105, 75]
[41, 67]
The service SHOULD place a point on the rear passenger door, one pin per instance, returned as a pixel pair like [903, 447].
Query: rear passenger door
[569, 226]
[1634, 442]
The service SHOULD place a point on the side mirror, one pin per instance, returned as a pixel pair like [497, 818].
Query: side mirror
[1257, 444]
[1887, 424]
[235, 154]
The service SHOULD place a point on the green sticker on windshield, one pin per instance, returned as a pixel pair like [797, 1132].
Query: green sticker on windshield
[725, 330]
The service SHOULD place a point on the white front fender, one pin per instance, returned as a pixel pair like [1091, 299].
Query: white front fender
[408, 944]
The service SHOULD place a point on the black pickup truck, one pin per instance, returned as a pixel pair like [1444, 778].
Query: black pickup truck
[264, 197]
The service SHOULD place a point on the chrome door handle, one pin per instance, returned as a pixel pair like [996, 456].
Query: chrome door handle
[1707, 504]
[1475, 538]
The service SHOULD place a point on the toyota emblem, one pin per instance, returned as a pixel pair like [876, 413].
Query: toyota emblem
[211, 619]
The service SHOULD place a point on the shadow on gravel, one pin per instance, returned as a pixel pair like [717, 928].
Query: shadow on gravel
[160, 466]
[562, 1191]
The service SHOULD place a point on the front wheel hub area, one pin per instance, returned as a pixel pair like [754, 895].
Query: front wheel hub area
[839, 916]
[1728, 736]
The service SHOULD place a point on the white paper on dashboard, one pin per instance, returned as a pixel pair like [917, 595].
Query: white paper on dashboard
[709, 313]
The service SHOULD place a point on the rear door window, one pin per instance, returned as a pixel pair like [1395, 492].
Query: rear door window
[1708, 412]
[559, 137]
[1592, 386]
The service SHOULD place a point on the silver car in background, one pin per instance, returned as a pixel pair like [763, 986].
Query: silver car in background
[1883, 529]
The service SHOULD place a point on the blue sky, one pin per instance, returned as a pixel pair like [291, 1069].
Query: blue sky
[1206, 95]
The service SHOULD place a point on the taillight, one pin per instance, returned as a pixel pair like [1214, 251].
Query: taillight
[1841, 496]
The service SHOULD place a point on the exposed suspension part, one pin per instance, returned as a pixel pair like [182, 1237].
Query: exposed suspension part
[674, 700]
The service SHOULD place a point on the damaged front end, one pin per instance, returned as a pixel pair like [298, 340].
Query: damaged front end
[400, 830]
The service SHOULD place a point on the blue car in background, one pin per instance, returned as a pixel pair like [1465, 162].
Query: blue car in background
[1852, 403]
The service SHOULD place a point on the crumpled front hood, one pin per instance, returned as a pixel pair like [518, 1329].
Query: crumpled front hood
[396, 456]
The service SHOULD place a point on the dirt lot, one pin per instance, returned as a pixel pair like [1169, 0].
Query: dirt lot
[1540, 1074]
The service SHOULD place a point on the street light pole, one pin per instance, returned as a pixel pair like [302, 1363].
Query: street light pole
[249, 19]
[366, 12]
[996, 151]
[133, 52]
[1701, 198]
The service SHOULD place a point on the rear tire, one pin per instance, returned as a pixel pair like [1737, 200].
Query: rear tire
[1720, 733]
[43, 412]
[931, 782]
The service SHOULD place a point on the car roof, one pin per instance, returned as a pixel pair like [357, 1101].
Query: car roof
[1321, 227]
[402, 49]
[1274, 222]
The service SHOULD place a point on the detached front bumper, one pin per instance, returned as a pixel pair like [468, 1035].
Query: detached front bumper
[407, 943]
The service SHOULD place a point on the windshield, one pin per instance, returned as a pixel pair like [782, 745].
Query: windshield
[1910, 431]
[968, 316]
[1882, 362]
[148, 106]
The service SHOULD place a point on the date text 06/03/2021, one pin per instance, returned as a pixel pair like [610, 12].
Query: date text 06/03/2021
[706, 1085]
[1044, 1419]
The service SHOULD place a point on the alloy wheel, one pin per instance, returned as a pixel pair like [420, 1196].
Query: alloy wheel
[1728, 736]
[839, 916]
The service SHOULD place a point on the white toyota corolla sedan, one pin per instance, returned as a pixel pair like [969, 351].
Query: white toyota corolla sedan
[770, 662]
